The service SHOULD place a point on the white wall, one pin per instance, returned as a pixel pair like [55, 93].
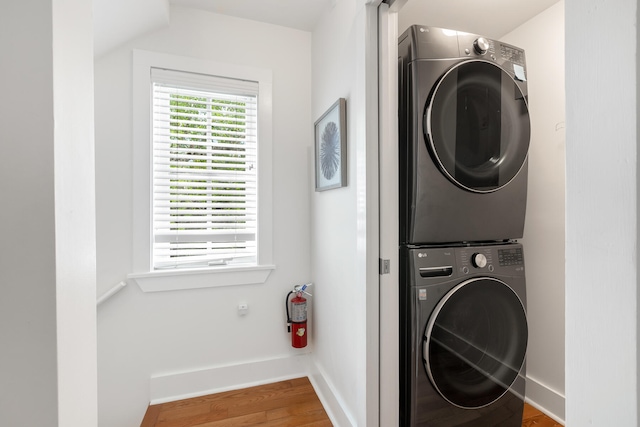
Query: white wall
[75, 218]
[152, 345]
[27, 294]
[542, 39]
[47, 255]
[345, 219]
[602, 187]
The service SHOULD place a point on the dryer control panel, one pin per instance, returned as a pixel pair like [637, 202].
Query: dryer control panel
[509, 57]
[512, 54]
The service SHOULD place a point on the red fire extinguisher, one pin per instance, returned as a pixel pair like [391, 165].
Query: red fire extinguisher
[297, 317]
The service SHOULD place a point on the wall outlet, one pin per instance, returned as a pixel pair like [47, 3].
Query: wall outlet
[243, 308]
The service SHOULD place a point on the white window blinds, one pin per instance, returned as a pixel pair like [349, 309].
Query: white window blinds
[204, 170]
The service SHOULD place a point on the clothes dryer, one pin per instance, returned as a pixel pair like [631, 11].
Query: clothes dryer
[463, 336]
[464, 133]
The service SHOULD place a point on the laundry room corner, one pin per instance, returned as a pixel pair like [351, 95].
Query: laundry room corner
[542, 37]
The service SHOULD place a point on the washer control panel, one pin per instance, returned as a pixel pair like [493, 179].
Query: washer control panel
[476, 258]
[439, 263]
[512, 256]
[479, 260]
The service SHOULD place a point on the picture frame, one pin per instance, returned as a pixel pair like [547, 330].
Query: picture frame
[331, 147]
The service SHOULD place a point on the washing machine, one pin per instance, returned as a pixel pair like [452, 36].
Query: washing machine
[463, 334]
[464, 132]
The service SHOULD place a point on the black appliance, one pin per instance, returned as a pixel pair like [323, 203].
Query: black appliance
[464, 135]
[463, 336]
[464, 132]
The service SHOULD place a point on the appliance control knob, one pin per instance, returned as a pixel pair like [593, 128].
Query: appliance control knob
[481, 45]
[479, 260]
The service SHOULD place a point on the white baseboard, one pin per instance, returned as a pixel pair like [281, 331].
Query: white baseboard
[544, 398]
[331, 401]
[169, 387]
[184, 385]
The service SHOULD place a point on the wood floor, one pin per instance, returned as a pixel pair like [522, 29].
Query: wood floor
[534, 418]
[291, 403]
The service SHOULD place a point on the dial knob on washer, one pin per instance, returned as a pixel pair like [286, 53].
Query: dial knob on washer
[481, 45]
[479, 260]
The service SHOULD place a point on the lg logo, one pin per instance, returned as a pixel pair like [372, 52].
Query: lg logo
[422, 255]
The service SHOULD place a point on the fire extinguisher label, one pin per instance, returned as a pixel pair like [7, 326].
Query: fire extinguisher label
[299, 312]
[300, 332]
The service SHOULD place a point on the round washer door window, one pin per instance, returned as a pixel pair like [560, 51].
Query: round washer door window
[477, 126]
[475, 342]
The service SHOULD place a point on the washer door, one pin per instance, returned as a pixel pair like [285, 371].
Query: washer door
[475, 342]
[477, 126]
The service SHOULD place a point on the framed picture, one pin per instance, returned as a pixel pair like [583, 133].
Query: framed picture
[331, 147]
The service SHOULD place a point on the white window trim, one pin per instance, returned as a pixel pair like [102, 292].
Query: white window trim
[153, 281]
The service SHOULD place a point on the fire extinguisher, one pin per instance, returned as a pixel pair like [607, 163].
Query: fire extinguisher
[297, 317]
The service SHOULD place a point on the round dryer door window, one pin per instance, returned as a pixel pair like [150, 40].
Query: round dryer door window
[477, 126]
[475, 342]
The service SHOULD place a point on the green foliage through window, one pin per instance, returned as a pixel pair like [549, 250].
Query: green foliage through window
[205, 177]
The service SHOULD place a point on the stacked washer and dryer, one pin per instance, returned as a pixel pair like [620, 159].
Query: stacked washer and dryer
[464, 135]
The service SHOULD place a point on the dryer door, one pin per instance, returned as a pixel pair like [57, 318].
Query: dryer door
[475, 342]
[477, 126]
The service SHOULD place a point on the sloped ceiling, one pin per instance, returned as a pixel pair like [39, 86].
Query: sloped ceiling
[116, 21]
[300, 14]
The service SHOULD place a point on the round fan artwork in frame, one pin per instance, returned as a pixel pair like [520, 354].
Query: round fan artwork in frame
[331, 147]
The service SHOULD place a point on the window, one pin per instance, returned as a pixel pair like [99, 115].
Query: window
[202, 159]
[204, 170]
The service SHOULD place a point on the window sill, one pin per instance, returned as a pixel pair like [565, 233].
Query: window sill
[159, 281]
